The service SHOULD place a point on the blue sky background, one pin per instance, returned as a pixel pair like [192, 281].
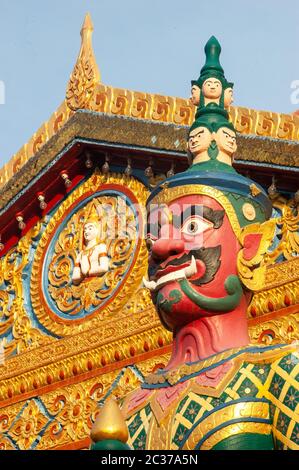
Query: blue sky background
[154, 46]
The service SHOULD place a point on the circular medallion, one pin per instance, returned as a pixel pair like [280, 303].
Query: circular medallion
[248, 211]
[84, 267]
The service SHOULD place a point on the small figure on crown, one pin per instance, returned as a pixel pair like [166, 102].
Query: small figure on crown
[211, 88]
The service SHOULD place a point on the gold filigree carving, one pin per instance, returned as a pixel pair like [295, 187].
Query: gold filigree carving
[86, 74]
[173, 376]
[15, 319]
[288, 246]
[162, 108]
[159, 434]
[276, 331]
[266, 270]
[67, 243]
[71, 298]
[6, 444]
[28, 426]
[236, 411]
[137, 332]
[287, 127]
[184, 112]
[141, 105]
[66, 413]
[234, 429]
[282, 294]
[106, 345]
[267, 123]
[282, 273]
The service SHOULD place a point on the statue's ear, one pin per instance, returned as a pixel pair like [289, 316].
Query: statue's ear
[255, 241]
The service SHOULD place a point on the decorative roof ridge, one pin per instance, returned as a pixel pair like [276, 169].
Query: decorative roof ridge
[84, 91]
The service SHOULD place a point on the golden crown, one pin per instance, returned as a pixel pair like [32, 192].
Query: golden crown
[92, 214]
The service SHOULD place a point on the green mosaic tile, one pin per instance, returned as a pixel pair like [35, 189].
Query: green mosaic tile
[135, 424]
[288, 362]
[292, 398]
[148, 410]
[278, 445]
[181, 404]
[215, 402]
[234, 380]
[276, 385]
[192, 411]
[272, 411]
[261, 372]
[180, 434]
[140, 441]
[295, 434]
[283, 422]
[247, 389]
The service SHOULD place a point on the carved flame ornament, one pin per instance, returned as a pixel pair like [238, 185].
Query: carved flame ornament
[86, 74]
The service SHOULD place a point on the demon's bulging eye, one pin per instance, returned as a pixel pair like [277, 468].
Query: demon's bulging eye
[195, 225]
[192, 227]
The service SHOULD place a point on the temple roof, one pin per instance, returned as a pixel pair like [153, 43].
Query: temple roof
[97, 121]
[86, 92]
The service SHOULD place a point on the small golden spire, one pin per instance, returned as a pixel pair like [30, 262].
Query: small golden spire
[109, 424]
[86, 74]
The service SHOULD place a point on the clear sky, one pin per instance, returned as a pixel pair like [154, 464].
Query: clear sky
[146, 45]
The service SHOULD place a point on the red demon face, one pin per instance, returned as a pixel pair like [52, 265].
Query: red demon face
[193, 252]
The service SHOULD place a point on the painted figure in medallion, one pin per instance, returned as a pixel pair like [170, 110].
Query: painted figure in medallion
[92, 259]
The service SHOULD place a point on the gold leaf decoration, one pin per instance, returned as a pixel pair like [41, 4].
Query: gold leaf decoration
[126, 252]
[86, 74]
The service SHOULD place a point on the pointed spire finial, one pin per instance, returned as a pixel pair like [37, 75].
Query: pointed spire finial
[87, 24]
[86, 74]
[109, 424]
[212, 51]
